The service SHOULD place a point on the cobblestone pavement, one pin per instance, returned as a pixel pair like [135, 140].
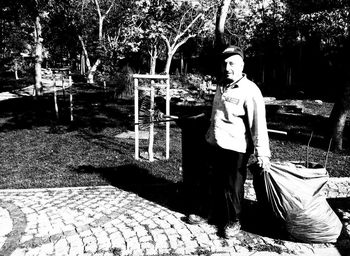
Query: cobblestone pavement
[110, 221]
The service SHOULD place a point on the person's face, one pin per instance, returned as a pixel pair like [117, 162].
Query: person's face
[233, 67]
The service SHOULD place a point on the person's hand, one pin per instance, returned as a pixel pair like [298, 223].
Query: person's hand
[263, 162]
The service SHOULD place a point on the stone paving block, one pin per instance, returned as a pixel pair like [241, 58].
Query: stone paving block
[127, 233]
[19, 252]
[117, 240]
[140, 231]
[162, 244]
[174, 241]
[171, 232]
[132, 243]
[104, 246]
[61, 247]
[150, 251]
[75, 250]
[85, 232]
[67, 228]
[177, 225]
[26, 238]
[220, 254]
[190, 243]
[194, 229]
[184, 232]
[33, 251]
[241, 249]
[90, 244]
[137, 252]
[147, 245]
[161, 223]
[47, 249]
[149, 223]
[203, 240]
[6, 222]
[145, 239]
[2, 241]
[75, 240]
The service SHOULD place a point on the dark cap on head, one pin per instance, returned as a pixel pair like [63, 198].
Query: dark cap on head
[232, 50]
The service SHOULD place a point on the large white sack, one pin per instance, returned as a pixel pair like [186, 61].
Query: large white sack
[294, 193]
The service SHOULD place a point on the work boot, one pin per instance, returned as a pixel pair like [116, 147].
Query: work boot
[233, 229]
[229, 231]
[194, 219]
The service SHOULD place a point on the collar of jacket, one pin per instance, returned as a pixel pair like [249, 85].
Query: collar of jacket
[233, 84]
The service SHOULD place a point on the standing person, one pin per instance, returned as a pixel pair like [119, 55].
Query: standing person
[237, 129]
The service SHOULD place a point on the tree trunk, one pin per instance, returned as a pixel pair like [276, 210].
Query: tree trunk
[219, 35]
[153, 66]
[168, 63]
[91, 72]
[220, 24]
[82, 64]
[38, 55]
[91, 69]
[339, 129]
[16, 69]
[338, 117]
[153, 62]
[182, 65]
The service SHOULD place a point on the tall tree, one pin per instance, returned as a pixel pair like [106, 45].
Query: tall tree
[171, 23]
[221, 17]
[329, 21]
[189, 24]
[14, 37]
[339, 115]
[32, 17]
[103, 28]
[102, 13]
[30, 12]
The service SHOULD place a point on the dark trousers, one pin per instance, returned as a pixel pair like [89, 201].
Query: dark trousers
[228, 176]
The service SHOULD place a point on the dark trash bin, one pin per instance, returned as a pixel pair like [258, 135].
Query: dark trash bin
[195, 164]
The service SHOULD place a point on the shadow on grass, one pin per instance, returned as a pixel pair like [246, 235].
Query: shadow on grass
[27, 112]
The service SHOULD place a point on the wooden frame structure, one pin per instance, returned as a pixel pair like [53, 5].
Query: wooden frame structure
[62, 78]
[156, 81]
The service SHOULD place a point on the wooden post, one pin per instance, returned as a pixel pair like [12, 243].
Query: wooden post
[63, 88]
[70, 98]
[136, 111]
[167, 112]
[104, 91]
[55, 97]
[151, 125]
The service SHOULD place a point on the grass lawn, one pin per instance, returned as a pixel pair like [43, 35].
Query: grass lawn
[37, 150]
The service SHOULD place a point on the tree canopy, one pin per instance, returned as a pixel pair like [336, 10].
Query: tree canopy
[280, 37]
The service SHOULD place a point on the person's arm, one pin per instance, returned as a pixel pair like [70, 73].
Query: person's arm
[256, 114]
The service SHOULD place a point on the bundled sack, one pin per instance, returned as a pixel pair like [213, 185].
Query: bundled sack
[293, 194]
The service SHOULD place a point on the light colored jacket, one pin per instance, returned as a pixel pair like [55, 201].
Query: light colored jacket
[238, 119]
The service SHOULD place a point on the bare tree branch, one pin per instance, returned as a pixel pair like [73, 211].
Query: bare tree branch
[188, 28]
